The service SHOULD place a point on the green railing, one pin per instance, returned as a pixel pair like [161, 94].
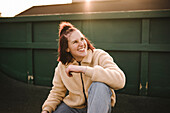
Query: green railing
[139, 42]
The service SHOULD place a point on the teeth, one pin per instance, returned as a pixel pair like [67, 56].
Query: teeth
[81, 49]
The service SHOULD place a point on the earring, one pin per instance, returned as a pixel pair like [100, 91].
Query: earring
[68, 50]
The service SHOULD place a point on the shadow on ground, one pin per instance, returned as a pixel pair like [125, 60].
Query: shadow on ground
[19, 97]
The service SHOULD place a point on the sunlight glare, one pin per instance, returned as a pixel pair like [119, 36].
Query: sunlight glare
[10, 8]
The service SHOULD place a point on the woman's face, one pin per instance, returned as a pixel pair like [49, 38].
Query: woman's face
[77, 45]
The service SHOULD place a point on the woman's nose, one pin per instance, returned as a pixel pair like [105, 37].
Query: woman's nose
[80, 43]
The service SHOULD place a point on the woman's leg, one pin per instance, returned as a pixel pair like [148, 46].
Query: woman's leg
[63, 108]
[99, 98]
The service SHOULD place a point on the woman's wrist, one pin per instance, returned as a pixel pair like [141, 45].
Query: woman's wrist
[84, 68]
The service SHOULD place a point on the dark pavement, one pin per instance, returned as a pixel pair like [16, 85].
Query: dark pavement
[19, 97]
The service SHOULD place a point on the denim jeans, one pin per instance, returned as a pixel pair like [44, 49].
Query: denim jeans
[99, 101]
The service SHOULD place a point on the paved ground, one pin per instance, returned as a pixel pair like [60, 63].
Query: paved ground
[19, 97]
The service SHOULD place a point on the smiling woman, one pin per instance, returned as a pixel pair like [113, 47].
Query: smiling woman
[77, 45]
[89, 74]
[70, 39]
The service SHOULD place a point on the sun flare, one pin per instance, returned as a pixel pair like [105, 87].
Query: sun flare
[9, 8]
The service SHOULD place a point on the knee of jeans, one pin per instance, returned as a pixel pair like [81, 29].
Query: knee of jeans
[100, 87]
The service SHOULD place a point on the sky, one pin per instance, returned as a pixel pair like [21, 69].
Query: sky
[10, 8]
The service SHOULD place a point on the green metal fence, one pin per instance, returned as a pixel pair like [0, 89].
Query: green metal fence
[139, 42]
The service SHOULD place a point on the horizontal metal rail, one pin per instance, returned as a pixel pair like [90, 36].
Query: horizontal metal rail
[91, 16]
[105, 46]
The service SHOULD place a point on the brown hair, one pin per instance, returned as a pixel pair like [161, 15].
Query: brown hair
[64, 56]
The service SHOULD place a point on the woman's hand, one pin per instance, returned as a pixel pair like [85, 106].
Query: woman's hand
[75, 69]
[44, 112]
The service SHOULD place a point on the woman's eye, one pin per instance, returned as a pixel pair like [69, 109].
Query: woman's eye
[74, 42]
[82, 38]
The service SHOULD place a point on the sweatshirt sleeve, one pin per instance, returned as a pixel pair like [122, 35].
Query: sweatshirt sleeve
[106, 71]
[56, 95]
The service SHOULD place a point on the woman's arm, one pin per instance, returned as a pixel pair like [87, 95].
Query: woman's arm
[75, 69]
[56, 94]
[106, 71]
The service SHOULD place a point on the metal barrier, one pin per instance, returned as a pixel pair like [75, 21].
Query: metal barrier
[139, 42]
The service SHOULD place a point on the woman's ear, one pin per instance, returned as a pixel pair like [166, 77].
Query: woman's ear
[67, 50]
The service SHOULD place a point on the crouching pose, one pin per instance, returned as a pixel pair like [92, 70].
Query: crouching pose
[89, 75]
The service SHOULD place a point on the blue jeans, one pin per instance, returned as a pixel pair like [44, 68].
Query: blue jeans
[99, 101]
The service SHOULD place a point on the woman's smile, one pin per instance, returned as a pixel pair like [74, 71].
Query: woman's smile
[81, 50]
[77, 45]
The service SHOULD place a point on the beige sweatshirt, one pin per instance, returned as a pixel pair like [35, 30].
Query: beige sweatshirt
[100, 68]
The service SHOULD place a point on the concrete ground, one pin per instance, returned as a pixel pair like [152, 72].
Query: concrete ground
[19, 97]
